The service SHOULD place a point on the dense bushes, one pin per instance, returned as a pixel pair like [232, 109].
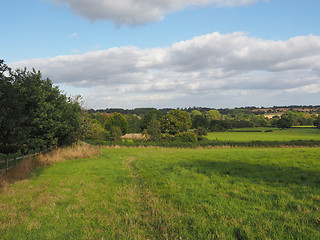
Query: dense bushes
[35, 115]
[186, 137]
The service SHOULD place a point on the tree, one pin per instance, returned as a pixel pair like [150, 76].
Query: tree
[134, 123]
[154, 129]
[116, 133]
[149, 116]
[284, 122]
[175, 121]
[93, 130]
[117, 119]
[317, 122]
[195, 113]
[219, 125]
[37, 114]
[199, 121]
[213, 115]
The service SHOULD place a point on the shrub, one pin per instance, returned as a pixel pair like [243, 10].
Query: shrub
[186, 137]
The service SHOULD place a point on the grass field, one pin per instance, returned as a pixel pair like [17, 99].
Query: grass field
[158, 193]
[290, 134]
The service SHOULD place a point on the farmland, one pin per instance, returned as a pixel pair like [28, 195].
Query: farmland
[264, 134]
[160, 193]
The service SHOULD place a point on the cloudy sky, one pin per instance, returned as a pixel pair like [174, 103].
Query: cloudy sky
[169, 53]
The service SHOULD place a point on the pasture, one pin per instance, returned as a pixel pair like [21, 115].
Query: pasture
[248, 134]
[162, 193]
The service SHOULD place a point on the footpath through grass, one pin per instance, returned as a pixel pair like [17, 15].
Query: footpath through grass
[158, 193]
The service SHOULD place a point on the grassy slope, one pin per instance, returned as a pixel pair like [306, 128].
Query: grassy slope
[170, 193]
[276, 135]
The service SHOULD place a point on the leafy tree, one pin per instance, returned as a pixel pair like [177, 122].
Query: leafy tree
[134, 123]
[213, 115]
[186, 137]
[195, 113]
[219, 125]
[284, 122]
[37, 114]
[149, 116]
[199, 121]
[259, 121]
[93, 130]
[117, 119]
[154, 129]
[175, 121]
[116, 133]
[201, 132]
[101, 117]
[317, 122]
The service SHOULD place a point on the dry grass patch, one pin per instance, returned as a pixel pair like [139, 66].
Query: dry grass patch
[25, 167]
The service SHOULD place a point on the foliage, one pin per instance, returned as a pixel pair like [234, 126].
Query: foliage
[199, 121]
[201, 132]
[317, 122]
[186, 137]
[92, 129]
[145, 121]
[284, 122]
[175, 121]
[154, 129]
[219, 125]
[116, 133]
[36, 115]
[213, 115]
[134, 123]
[117, 119]
[195, 113]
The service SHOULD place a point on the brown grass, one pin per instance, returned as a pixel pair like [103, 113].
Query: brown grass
[25, 167]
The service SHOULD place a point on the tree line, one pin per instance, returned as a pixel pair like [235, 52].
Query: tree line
[178, 124]
[35, 115]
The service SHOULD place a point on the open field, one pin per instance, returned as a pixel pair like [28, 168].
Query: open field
[306, 133]
[159, 193]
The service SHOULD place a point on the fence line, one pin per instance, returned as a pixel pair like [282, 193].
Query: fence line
[6, 161]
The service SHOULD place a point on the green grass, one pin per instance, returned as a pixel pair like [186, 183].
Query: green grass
[276, 135]
[159, 193]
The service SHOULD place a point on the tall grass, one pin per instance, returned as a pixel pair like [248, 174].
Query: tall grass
[28, 164]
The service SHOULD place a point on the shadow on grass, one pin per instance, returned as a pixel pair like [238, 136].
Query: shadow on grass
[274, 174]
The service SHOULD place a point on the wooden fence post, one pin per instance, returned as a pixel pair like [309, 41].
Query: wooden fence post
[7, 164]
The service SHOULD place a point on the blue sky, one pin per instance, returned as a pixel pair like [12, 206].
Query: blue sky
[169, 53]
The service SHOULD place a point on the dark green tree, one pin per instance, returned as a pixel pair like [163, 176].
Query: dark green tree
[199, 121]
[146, 119]
[36, 115]
[316, 122]
[154, 129]
[134, 123]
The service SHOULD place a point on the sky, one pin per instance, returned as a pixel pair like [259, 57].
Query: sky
[169, 53]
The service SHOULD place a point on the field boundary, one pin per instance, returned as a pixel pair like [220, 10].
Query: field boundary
[15, 161]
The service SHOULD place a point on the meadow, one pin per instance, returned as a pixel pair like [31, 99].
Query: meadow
[167, 193]
[266, 134]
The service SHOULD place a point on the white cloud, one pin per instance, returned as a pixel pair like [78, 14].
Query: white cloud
[193, 72]
[132, 12]
[73, 35]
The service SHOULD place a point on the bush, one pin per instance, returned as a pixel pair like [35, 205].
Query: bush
[186, 137]
[166, 137]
